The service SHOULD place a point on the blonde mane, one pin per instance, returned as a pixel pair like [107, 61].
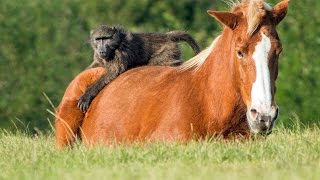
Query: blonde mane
[255, 10]
[255, 14]
[199, 59]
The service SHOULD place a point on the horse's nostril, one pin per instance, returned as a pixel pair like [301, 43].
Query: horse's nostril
[254, 113]
[276, 114]
[265, 119]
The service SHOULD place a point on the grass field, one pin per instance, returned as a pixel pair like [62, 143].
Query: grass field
[286, 154]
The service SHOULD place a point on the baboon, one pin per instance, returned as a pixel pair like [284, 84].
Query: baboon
[119, 50]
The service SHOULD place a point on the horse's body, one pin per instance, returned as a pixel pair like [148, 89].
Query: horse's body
[227, 89]
[171, 108]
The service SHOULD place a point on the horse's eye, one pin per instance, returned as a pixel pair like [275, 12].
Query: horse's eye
[240, 54]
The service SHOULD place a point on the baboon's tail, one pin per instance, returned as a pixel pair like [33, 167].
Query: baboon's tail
[177, 36]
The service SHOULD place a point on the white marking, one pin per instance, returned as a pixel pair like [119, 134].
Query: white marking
[261, 88]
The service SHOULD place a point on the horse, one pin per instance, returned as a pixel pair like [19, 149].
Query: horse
[226, 90]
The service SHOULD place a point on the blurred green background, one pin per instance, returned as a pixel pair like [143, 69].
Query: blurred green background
[43, 45]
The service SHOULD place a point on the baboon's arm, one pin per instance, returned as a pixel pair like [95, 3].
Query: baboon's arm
[95, 88]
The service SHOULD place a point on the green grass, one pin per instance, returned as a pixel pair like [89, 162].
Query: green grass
[286, 154]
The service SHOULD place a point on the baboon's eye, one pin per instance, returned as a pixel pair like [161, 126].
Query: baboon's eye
[103, 38]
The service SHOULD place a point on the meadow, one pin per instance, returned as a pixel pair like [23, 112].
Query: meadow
[285, 154]
[44, 45]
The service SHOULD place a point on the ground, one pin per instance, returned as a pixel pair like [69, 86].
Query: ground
[286, 154]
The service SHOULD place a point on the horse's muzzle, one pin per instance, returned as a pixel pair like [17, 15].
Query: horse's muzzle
[262, 123]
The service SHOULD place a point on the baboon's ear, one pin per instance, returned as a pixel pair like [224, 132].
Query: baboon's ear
[226, 18]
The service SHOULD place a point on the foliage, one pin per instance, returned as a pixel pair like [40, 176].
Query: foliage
[286, 154]
[44, 45]
[298, 84]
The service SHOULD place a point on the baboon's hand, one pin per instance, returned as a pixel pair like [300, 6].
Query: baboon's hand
[84, 102]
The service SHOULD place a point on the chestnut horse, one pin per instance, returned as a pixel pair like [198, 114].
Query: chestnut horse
[228, 89]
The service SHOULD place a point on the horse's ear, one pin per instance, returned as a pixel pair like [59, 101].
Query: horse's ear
[280, 10]
[226, 18]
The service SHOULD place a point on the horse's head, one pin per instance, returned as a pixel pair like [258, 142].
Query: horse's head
[255, 48]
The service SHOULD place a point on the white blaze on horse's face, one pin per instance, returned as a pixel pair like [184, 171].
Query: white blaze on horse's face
[260, 93]
[262, 112]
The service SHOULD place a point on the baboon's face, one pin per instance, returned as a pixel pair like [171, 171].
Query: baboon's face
[105, 41]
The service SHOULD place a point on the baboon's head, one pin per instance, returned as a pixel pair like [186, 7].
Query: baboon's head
[105, 40]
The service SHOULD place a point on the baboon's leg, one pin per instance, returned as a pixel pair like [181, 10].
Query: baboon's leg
[165, 62]
[168, 55]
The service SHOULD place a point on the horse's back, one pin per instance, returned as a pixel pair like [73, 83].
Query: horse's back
[136, 106]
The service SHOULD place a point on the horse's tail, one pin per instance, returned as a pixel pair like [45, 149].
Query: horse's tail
[68, 117]
[178, 36]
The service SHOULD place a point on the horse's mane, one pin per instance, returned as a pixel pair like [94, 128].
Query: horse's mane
[254, 10]
[199, 59]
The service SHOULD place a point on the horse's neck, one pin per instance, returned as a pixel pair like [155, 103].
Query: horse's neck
[218, 72]
[216, 80]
